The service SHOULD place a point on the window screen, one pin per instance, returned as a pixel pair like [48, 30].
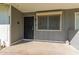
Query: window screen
[50, 22]
[42, 22]
[54, 22]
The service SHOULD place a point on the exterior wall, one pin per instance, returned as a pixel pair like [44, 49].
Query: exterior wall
[68, 23]
[52, 35]
[74, 35]
[5, 24]
[16, 29]
[68, 28]
[63, 35]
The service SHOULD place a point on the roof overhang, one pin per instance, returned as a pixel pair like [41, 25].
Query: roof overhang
[33, 7]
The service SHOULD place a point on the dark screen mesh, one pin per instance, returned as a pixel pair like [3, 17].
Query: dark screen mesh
[49, 22]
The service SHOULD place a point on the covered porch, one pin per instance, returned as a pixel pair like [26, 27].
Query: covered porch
[38, 29]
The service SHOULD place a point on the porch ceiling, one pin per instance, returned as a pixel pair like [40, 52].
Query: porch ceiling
[32, 7]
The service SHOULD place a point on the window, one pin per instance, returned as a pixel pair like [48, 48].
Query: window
[54, 22]
[49, 22]
[42, 22]
[77, 20]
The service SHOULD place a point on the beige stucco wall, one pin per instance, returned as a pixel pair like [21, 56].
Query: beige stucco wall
[16, 29]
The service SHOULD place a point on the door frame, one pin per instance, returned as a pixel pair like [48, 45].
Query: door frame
[33, 23]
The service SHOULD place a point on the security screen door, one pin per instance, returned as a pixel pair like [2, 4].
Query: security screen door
[28, 27]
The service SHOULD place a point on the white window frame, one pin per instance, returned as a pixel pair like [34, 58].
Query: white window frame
[75, 19]
[49, 13]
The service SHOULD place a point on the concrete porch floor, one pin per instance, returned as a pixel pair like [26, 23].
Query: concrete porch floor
[39, 48]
